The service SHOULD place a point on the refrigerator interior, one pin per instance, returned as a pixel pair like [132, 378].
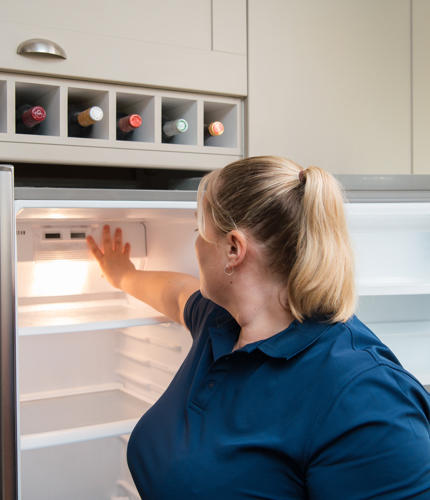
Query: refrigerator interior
[92, 360]
[392, 246]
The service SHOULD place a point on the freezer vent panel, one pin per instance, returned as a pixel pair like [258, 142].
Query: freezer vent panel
[62, 254]
[63, 242]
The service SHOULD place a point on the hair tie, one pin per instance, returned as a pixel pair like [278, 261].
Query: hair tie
[302, 177]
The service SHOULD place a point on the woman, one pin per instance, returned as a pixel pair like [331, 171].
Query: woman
[284, 393]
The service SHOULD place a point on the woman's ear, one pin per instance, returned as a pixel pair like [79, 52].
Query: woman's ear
[237, 248]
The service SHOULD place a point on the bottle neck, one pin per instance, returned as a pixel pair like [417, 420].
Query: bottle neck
[90, 116]
[215, 129]
[129, 123]
[33, 116]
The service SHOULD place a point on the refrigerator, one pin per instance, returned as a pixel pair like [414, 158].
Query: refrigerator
[82, 361]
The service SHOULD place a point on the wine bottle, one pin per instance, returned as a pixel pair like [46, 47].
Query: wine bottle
[81, 122]
[29, 119]
[173, 127]
[214, 129]
[126, 125]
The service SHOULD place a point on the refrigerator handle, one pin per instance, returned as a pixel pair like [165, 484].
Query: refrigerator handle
[8, 430]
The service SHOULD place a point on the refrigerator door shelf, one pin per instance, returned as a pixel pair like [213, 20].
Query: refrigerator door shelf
[71, 419]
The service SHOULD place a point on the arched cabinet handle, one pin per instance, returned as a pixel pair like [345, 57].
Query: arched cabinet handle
[41, 46]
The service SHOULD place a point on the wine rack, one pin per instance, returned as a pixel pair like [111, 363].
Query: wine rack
[56, 143]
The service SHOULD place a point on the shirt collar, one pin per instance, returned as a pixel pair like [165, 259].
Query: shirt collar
[286, 344]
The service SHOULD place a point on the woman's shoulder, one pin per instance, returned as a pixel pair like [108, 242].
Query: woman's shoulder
[199, 312]
[349, 353]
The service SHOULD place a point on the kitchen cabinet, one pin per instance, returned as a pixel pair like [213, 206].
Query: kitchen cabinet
[330, 83]
[421, 86]
[193, 45]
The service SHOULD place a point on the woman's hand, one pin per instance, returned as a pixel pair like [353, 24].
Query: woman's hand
[114, 260]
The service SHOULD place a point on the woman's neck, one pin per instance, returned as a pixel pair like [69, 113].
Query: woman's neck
[260, 314]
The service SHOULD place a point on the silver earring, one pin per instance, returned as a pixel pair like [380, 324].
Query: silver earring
[225, 270]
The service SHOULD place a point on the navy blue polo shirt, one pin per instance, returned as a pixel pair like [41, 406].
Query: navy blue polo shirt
[319, 412]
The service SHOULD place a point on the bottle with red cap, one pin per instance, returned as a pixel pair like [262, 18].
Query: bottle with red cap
[29, 119]
[126, 125]
[214, 129]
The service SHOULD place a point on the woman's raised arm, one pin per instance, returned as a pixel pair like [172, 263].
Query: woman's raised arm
[167, 292]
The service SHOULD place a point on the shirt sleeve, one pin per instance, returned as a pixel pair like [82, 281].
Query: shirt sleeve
[374, 441]
[196, 312]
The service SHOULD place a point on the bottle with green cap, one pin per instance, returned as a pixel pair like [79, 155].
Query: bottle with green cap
[173, 127]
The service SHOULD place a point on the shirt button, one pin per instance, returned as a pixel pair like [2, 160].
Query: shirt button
[210, 384]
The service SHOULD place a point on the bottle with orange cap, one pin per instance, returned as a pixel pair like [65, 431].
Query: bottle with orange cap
[81, 121]
[29, 119]
[214, 129]
[126, 125]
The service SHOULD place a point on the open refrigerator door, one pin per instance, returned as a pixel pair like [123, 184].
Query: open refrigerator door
[91, 359]
[8, 431]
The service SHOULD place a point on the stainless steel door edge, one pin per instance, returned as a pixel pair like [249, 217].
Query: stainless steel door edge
[8, 434]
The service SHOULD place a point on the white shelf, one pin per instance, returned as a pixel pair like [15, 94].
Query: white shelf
[70, 419]
[85, 318]
[409, 328]
[410, 343]
[394, 289]
[128, 488]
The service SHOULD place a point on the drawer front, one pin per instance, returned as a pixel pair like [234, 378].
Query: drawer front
[199, 47]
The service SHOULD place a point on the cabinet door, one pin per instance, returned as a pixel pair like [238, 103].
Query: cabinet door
[421, 85]
[191, 45]
[329, 83]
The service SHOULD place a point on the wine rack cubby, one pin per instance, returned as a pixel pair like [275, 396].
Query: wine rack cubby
[55, 140]
[174, 109]
[86, 98]
[47, 96]
[142, 105]
[227, 115]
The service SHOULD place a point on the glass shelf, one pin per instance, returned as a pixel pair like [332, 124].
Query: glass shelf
[70, 419]
[114, 314]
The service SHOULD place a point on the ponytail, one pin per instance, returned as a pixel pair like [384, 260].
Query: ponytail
[322, 281]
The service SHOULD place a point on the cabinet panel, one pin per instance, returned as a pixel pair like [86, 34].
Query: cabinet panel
[421, 86]
[229, 26]
[163, 44]
[329, 83]
[185, 24]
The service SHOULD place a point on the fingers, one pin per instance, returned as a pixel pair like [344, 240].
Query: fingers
[107, 244]
[118, 240]
[107, 241]
[126, 250]
[95, 250]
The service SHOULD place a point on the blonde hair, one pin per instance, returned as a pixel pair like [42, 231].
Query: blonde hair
[301, 223]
